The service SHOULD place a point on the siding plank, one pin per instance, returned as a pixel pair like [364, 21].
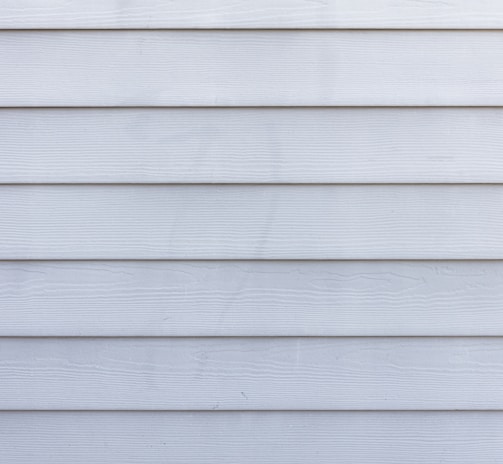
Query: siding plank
[251, 438]
[251, 222]
[251, 298]
[254, 145]
[251, 373]
[245, 14]
[256, 68]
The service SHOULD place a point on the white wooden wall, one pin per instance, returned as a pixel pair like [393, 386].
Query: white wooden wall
[251, 231]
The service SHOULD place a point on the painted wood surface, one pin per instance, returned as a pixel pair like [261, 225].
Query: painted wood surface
[251, 298]
[251, 222]
[251, 438]
[251, 323]
[255, 68]
[111, 14]
[251, 373]
[254, 145]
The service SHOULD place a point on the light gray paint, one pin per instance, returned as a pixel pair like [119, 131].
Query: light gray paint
[146, 14]
[256, 68]
[252, 298]
[251, 437]
[288, 373]
[255, 145]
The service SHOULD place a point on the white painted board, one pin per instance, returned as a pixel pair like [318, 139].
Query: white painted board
[250, 298]
[251, 437]
[251, 222]
[147, 14]
[251, 68]
[233, 373]
[251, 145]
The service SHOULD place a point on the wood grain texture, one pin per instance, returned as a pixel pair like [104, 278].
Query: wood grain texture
[255, 68]
[251, 298]
[251, 437]
[251, 373]
[250, 14]
[255, 145]
[251, 222]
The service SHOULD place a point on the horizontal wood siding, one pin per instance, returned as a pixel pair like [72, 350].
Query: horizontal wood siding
[257, 68]
[110, 14]
[251, 373]
[248, 222]
[251, 232]
[251, 298]
[255, 145]
[251, 437]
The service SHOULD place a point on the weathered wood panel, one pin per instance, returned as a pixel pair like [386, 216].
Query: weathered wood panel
[257, 68]
[250, 14]
[251, 373]
[255, 145]
[251, 222]
[252, 298]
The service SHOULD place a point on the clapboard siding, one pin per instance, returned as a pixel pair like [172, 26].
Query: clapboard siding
[248, 222]
[300, 321]
[263, 68]
[251, 438]
[255, 145]
[251, 373]
[112, 14]
[252, 298]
